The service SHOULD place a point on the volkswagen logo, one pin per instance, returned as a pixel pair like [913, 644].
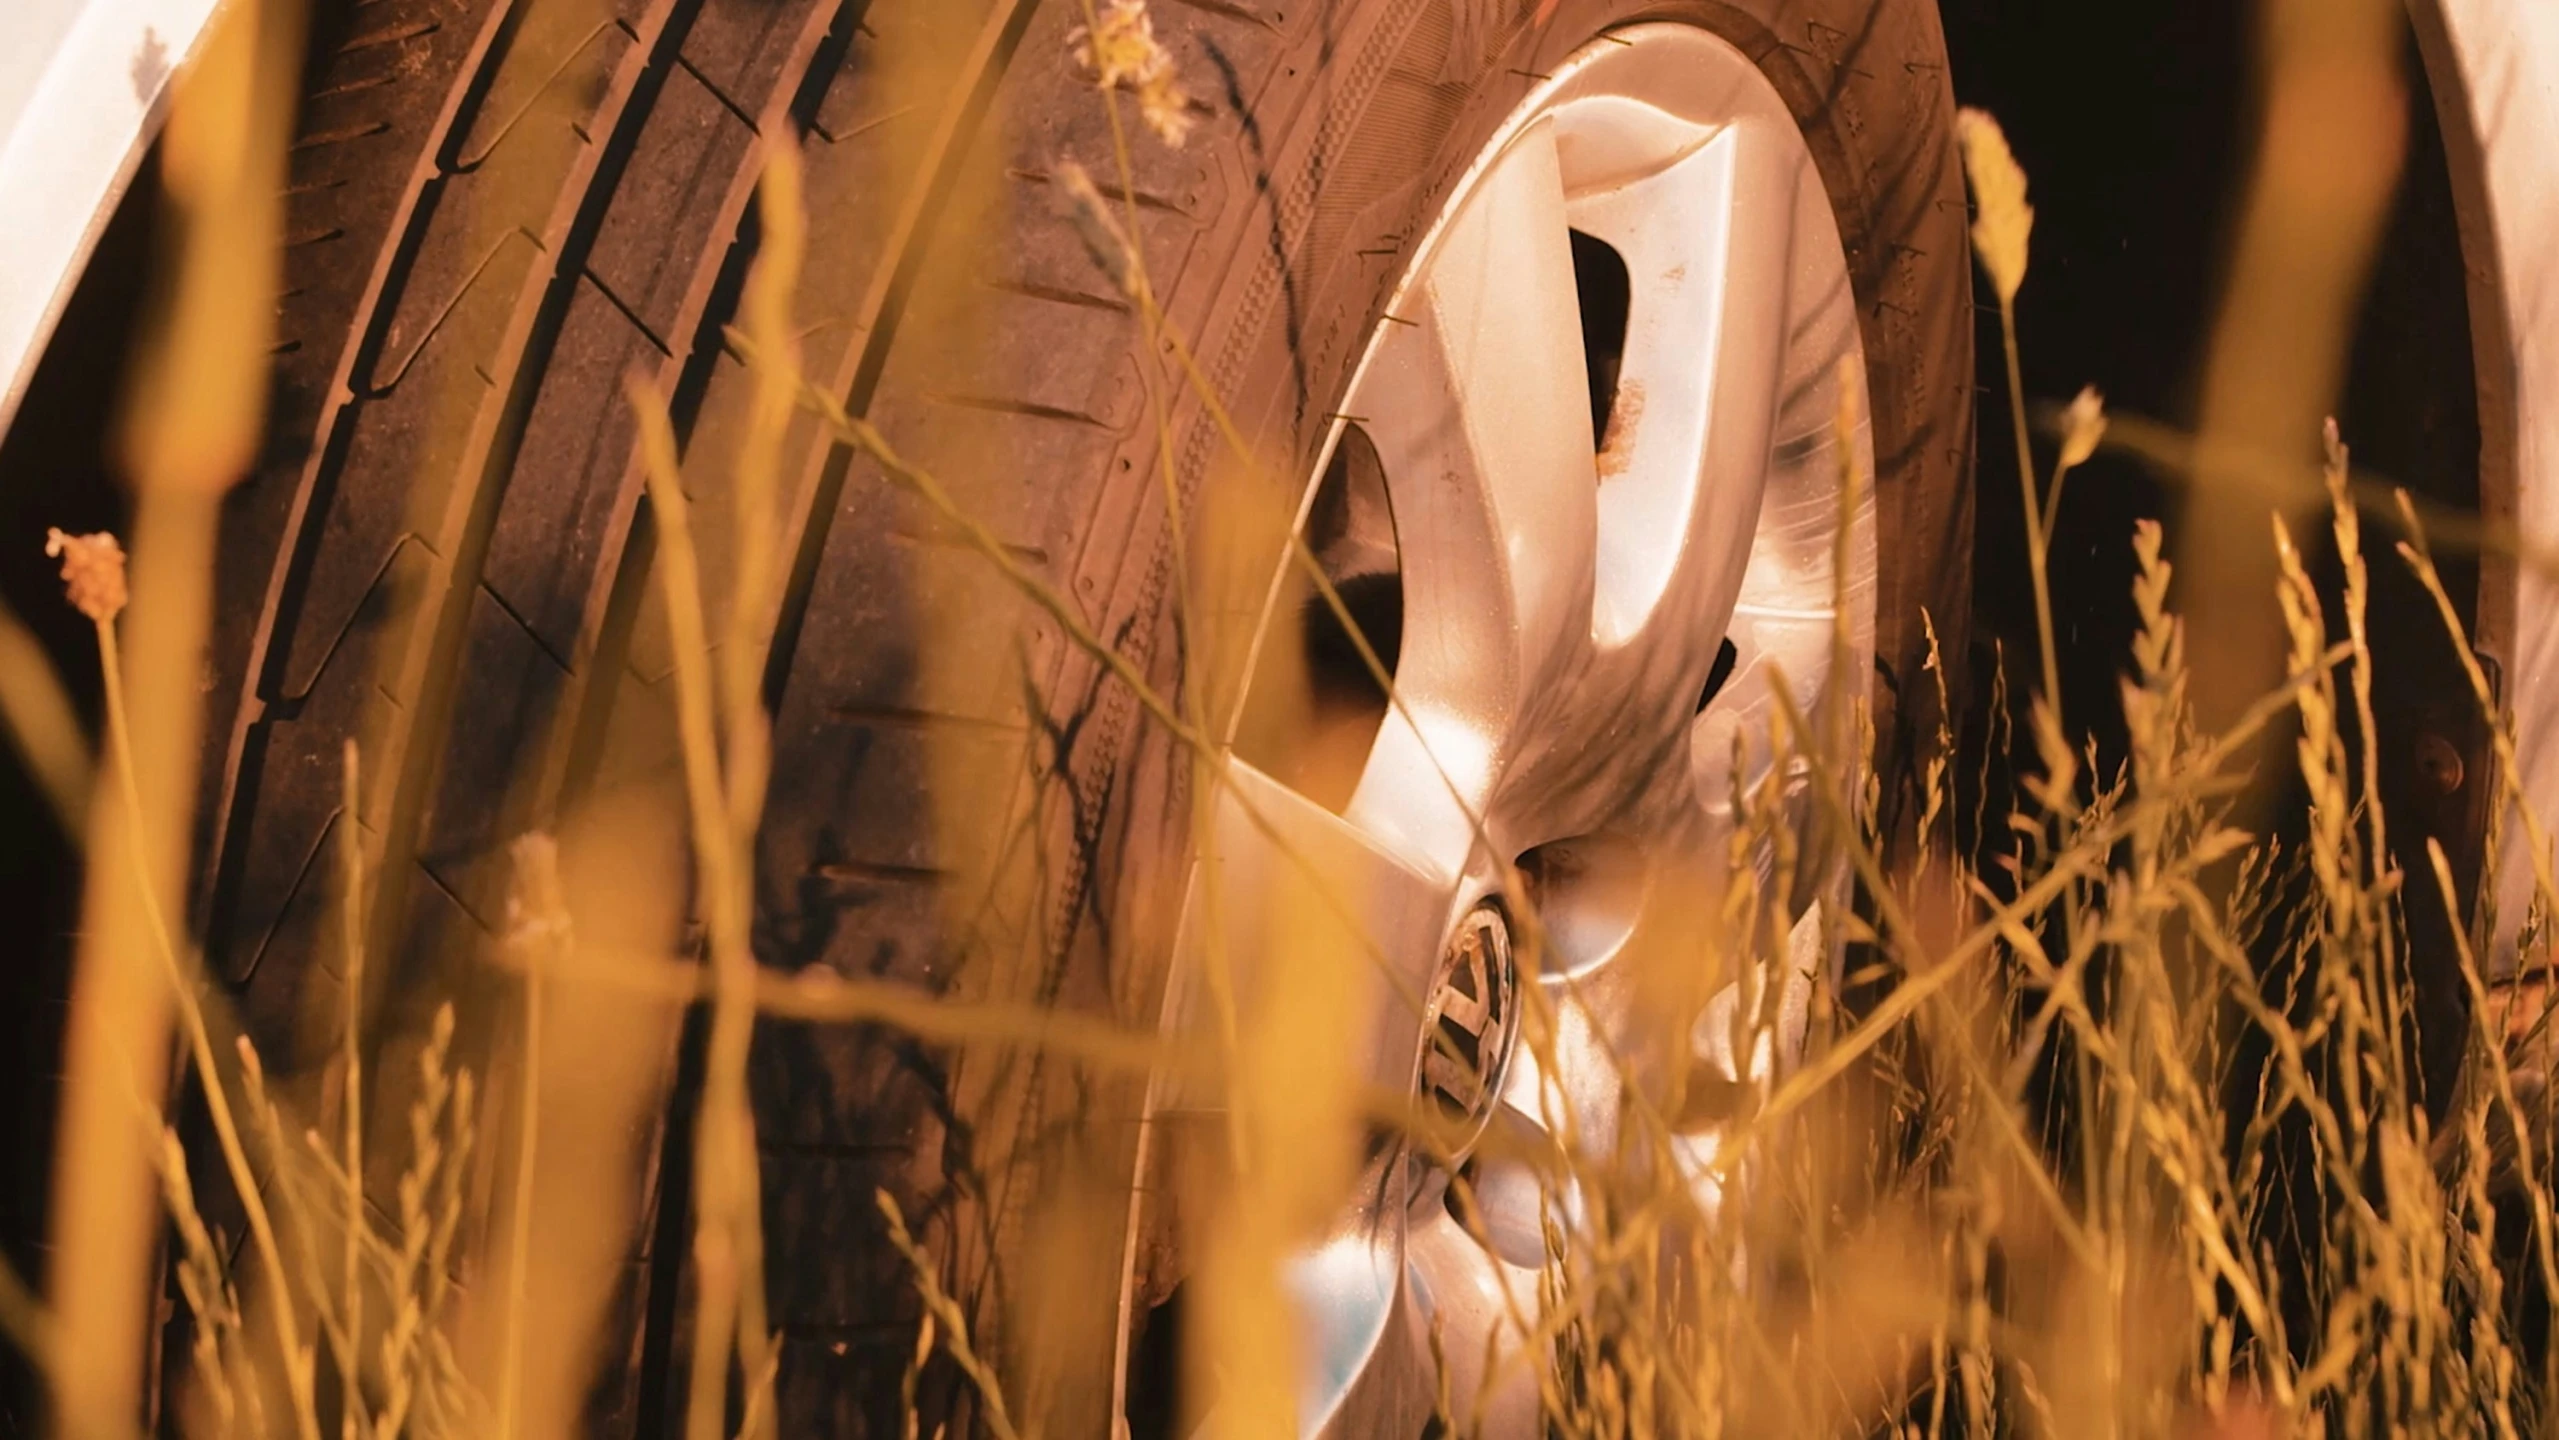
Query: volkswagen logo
[1472, 1021]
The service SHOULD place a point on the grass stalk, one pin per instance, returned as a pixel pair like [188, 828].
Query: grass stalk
[510, 1399]
[724, 1156]
[281, 1300]
[351, 1049]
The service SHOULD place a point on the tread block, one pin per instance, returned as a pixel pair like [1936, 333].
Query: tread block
[907, 60]
[571, 490]
[306, 934]
[557, 69]
[711, 454]
[865, 795]
[867, 144]
[403, 453]
[614, 1395]
[456, 296]
[652, 657]
[514, 689]
[867, 645]
[441, 949]
[292, 777]
[999, 467]
[837, 1087]
[862, 157]
[1045, 256]
[640, 744]
[349, 185]
[738, 47]
[820, 1202]
[983, 353]
[1054, 112]
[845, 1381]
[357, 593]
[672, 190]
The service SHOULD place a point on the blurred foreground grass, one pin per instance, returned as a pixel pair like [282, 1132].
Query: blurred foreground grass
[2108, 1127]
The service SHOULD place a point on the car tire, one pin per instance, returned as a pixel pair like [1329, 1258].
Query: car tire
[500, 209]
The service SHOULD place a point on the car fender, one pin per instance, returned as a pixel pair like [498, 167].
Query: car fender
[82, 83]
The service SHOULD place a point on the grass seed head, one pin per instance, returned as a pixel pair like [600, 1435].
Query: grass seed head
[2002, 219]
[92, 572]
[2083, 425]
[1120, 48]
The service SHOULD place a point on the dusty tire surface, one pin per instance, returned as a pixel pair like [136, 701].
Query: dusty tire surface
[499, 208]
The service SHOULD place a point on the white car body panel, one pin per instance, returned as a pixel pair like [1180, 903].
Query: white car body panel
[2495, 67]
[80, 84]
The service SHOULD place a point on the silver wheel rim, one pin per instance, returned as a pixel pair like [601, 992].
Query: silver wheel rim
[1566, 604]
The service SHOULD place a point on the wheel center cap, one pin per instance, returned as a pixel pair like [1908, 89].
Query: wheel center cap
[1472, 1021]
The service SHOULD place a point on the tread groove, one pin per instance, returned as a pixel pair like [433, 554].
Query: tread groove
[1143, 199]
[1229, 10]
[395, 35]
[352, 87]
[1059, 295]
[916, 718]
[656, 341]
[322, 139]
[865, 871]
[999, 405]
[555, 657]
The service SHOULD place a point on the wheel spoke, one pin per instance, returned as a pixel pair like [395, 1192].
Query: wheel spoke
[1706, 241]
[1785, 617]
[1363, 1368]
[1666, 996]
[1364, 1365]
[1476, 1281]
[1573, 1089]
[1686, 463]
[1479, 410]
[1747, 1034]
[1482, 1304]
[1284, 886]
[1732, 744]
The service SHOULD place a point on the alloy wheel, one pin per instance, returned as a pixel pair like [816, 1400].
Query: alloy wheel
[1584, 500]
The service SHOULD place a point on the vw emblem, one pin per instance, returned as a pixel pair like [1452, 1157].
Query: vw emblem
[1472, 1020]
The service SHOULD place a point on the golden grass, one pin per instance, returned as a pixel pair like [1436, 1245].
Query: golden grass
[2022, 1179]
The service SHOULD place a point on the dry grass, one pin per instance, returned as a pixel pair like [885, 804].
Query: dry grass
[2059, 1156]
